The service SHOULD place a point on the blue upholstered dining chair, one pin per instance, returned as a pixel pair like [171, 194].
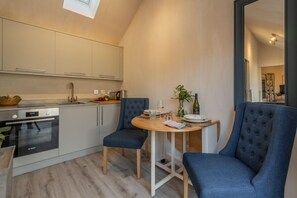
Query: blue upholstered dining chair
[126, 135]
[254, 163]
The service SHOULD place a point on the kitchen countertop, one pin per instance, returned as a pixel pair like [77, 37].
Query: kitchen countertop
[56, 105]
[107, 102]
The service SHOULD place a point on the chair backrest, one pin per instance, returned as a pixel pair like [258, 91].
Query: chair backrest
[262, 138]
[255, 134]
[130, 108]
[256, 126]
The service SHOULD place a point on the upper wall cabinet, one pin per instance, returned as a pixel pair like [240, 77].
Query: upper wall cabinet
[73, 55]
[0, 44]
[107, 61]
[27, 48]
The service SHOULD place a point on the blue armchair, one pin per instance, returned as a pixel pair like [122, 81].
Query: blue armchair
[126, 135]
[254, 163]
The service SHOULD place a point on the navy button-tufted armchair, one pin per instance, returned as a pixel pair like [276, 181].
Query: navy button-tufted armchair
[126, 135]
[254, 163]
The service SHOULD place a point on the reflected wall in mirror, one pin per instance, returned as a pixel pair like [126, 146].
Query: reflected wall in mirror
[265, 60]
[264, 51]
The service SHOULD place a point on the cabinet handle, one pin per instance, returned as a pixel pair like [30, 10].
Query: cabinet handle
[101, 116]
[106, 76]
[30, 70]
[74, 74]
[97, 116]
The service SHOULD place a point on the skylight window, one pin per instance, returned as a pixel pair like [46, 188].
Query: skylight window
[85, 1]
[86, 8]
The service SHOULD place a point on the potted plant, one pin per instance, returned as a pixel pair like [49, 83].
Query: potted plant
[182, 94]
[2, 138]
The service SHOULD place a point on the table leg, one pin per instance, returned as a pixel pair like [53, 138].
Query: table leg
[153, 159]
[184, 143]
[172, 153]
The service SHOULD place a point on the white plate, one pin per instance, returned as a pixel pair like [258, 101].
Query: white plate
[195, 117]
[155, 112]
[152, 112]
[196, 121]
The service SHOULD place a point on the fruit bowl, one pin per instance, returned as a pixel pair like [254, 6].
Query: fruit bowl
[9, 101]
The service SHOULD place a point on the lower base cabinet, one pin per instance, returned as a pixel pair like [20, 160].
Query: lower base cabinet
[83, 127]
[108, 119]
[78, 128]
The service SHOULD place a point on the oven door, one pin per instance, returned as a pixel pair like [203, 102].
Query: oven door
[31, 135]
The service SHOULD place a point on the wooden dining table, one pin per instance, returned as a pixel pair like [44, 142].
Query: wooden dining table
[210, 133]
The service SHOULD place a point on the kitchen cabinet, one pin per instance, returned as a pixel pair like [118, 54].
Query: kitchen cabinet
[28, 48]
[78, 128]
[107, 61]
[108, 119]
[73, 55]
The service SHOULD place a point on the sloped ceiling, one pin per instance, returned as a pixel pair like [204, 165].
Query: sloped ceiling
[109, 25]
[265, 17]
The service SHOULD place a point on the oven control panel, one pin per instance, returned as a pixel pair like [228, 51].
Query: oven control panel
[28, 114]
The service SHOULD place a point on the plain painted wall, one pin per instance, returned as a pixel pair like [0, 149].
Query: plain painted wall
[270, 56]
[251, 53]
[183, 42]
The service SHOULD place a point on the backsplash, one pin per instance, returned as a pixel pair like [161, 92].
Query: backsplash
[31, 87]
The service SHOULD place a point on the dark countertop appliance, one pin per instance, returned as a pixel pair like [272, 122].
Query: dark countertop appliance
[118, 95]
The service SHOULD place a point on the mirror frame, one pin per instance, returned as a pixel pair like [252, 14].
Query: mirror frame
[290, 51]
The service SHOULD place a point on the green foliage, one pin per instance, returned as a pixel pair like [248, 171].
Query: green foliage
[182, 93]
[2, 137]
[9, 97]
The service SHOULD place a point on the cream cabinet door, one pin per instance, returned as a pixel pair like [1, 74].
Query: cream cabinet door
[73, 55]
[27, 48]
[78, 128]
[108, 119]
[107, 61]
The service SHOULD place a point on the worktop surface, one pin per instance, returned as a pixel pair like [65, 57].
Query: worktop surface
[55, 104]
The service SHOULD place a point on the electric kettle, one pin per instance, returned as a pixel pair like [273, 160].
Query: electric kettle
[121, 94]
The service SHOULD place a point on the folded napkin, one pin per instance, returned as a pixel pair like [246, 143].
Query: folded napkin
[174, 124]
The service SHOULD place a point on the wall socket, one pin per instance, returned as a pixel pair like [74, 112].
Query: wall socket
[102, 91]
[96, 92]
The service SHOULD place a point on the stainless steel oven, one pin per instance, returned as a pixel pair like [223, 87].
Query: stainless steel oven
[30, 130]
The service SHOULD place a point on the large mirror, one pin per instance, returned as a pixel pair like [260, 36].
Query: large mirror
[265, 67]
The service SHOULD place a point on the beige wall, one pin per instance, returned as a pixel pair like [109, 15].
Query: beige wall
[42, 87]
[270, 56]
[251, 54]
[183, 42]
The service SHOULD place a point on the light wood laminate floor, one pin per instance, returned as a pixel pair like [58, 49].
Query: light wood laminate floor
[83, 178]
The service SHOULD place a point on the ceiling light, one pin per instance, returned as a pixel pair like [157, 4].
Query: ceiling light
[273, 39]
[86, 8]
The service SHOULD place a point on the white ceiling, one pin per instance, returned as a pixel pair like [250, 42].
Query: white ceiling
[109, 25]
[264, 17]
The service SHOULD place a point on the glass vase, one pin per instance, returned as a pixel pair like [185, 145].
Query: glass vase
[181, 110]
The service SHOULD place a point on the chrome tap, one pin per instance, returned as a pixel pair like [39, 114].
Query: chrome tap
[72, 99]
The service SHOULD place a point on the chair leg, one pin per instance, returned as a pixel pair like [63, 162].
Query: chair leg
[138, 153]
[123, 152]
[186, 185]
[104, 163]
